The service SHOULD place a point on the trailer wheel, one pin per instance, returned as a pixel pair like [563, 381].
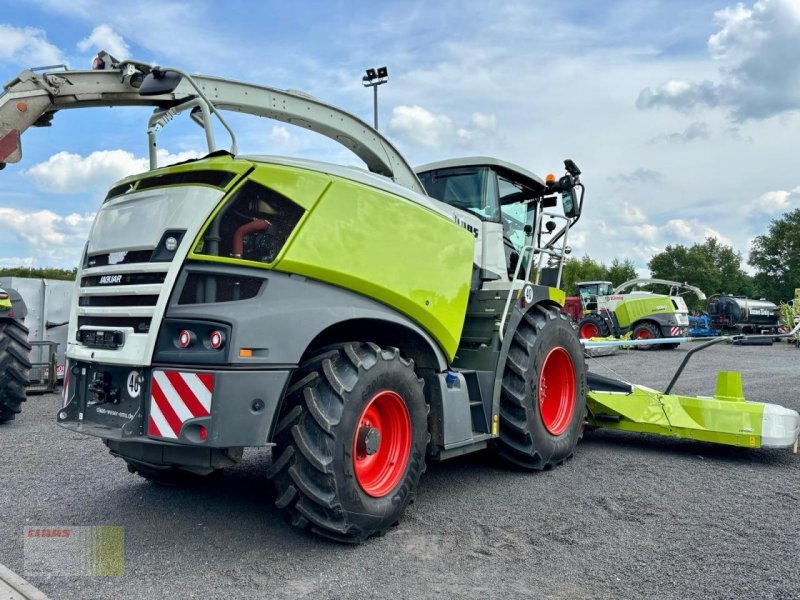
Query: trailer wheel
[592, 325]
[543, 399]
[646, 331]
[351, 442]
[15, 367]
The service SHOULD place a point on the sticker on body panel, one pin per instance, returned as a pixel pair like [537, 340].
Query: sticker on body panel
[177, 397]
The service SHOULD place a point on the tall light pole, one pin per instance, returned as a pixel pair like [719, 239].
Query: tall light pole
[373, 79]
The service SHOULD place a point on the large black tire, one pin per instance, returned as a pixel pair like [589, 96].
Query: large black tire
[544, 334]
[15, 367]
[314, 460]
[593, 325]
[646, 331]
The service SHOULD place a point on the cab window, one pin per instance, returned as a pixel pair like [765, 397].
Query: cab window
[467, 188]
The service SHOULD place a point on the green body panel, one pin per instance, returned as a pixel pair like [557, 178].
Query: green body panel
[724, 419]
[390, 249]
[631, 310]
[215, 163]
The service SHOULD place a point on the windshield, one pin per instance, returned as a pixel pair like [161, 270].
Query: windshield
[516, 215]
[467, 188]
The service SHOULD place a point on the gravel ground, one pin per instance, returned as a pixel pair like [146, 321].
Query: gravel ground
[629, 517]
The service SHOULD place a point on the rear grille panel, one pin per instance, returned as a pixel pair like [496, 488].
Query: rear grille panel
[143, 300]
[123, 258]
[138, 324]
[124, 279]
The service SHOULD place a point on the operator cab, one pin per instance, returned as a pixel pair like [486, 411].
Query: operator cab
[589, 291]
[498, 203]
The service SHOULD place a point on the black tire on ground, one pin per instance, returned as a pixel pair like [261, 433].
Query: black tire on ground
[543, 335]
[646, 331]
[669, 346]
[321, 442]
[170, 476]
[15, 366]
[590, 323]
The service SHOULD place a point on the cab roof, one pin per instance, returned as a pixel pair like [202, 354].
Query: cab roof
[521, 174]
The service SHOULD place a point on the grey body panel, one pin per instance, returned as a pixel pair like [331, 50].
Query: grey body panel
[18, 306]
[233, 421]
[664, 321]
[287, 314]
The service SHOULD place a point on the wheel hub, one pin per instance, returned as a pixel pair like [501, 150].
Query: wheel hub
[369, 440]
[557, 391]
[382, 444]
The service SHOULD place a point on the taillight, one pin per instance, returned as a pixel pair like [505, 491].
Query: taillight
[186, 339]
[216, 340]
[203, 433]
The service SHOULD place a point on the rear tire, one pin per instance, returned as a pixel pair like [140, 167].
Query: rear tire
[543, 399]
[646, 331]
[592, 325]
[15, 366]
[351, 442]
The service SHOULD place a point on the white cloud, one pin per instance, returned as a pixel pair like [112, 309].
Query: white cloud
[52, 238]
[760, 76]
[103, 37]
[16, 261]
[419, 125]
[695, 131]
[694, 231]
[27, 46]
[279, 133]
[639, 175]
[68, 173]
[777, 201]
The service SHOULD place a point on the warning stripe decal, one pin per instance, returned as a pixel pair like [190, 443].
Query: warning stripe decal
[177, 397]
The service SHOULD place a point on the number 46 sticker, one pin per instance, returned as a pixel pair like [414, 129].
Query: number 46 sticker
[134, 384]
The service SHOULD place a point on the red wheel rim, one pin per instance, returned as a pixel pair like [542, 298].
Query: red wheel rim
[557, 391]
[589, 330]
[380, 465]
[644, 334]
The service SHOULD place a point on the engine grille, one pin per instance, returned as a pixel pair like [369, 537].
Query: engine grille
[120, 296]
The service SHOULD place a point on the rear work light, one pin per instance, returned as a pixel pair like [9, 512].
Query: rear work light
[186, 338]
[216, 340]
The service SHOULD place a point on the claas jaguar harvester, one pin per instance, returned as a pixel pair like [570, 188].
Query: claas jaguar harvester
[345, 317]
[360, 322]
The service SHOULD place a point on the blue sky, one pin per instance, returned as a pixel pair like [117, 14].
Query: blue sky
[682, 115]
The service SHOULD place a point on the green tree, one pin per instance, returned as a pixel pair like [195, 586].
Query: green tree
[580, 269]
[776, 258]
[620, 271]
[713, 267]
[40, 273]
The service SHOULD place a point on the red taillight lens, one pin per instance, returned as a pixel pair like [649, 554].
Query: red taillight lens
[203, 433]
[216, 340]
[185, 339]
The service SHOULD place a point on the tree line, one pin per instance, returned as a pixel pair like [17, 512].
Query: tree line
[714, 267]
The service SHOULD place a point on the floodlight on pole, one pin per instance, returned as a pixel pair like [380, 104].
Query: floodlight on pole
[374, 78]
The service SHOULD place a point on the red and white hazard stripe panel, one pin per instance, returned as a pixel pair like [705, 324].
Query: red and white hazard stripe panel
[675, 331]
[176, 397]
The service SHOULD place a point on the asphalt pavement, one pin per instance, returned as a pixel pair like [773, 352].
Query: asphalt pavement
[630, 516]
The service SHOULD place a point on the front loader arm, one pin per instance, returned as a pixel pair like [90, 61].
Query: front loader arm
[30, 99]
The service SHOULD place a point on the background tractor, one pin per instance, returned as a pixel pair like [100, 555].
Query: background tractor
[14, 354]
[601, 311]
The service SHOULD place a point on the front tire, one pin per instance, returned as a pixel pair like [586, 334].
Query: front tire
[350, 445]
[543, 399]
[15, 366]
[593, 326]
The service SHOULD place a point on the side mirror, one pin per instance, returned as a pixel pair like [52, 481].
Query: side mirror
[156, 83]
[568, 197]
